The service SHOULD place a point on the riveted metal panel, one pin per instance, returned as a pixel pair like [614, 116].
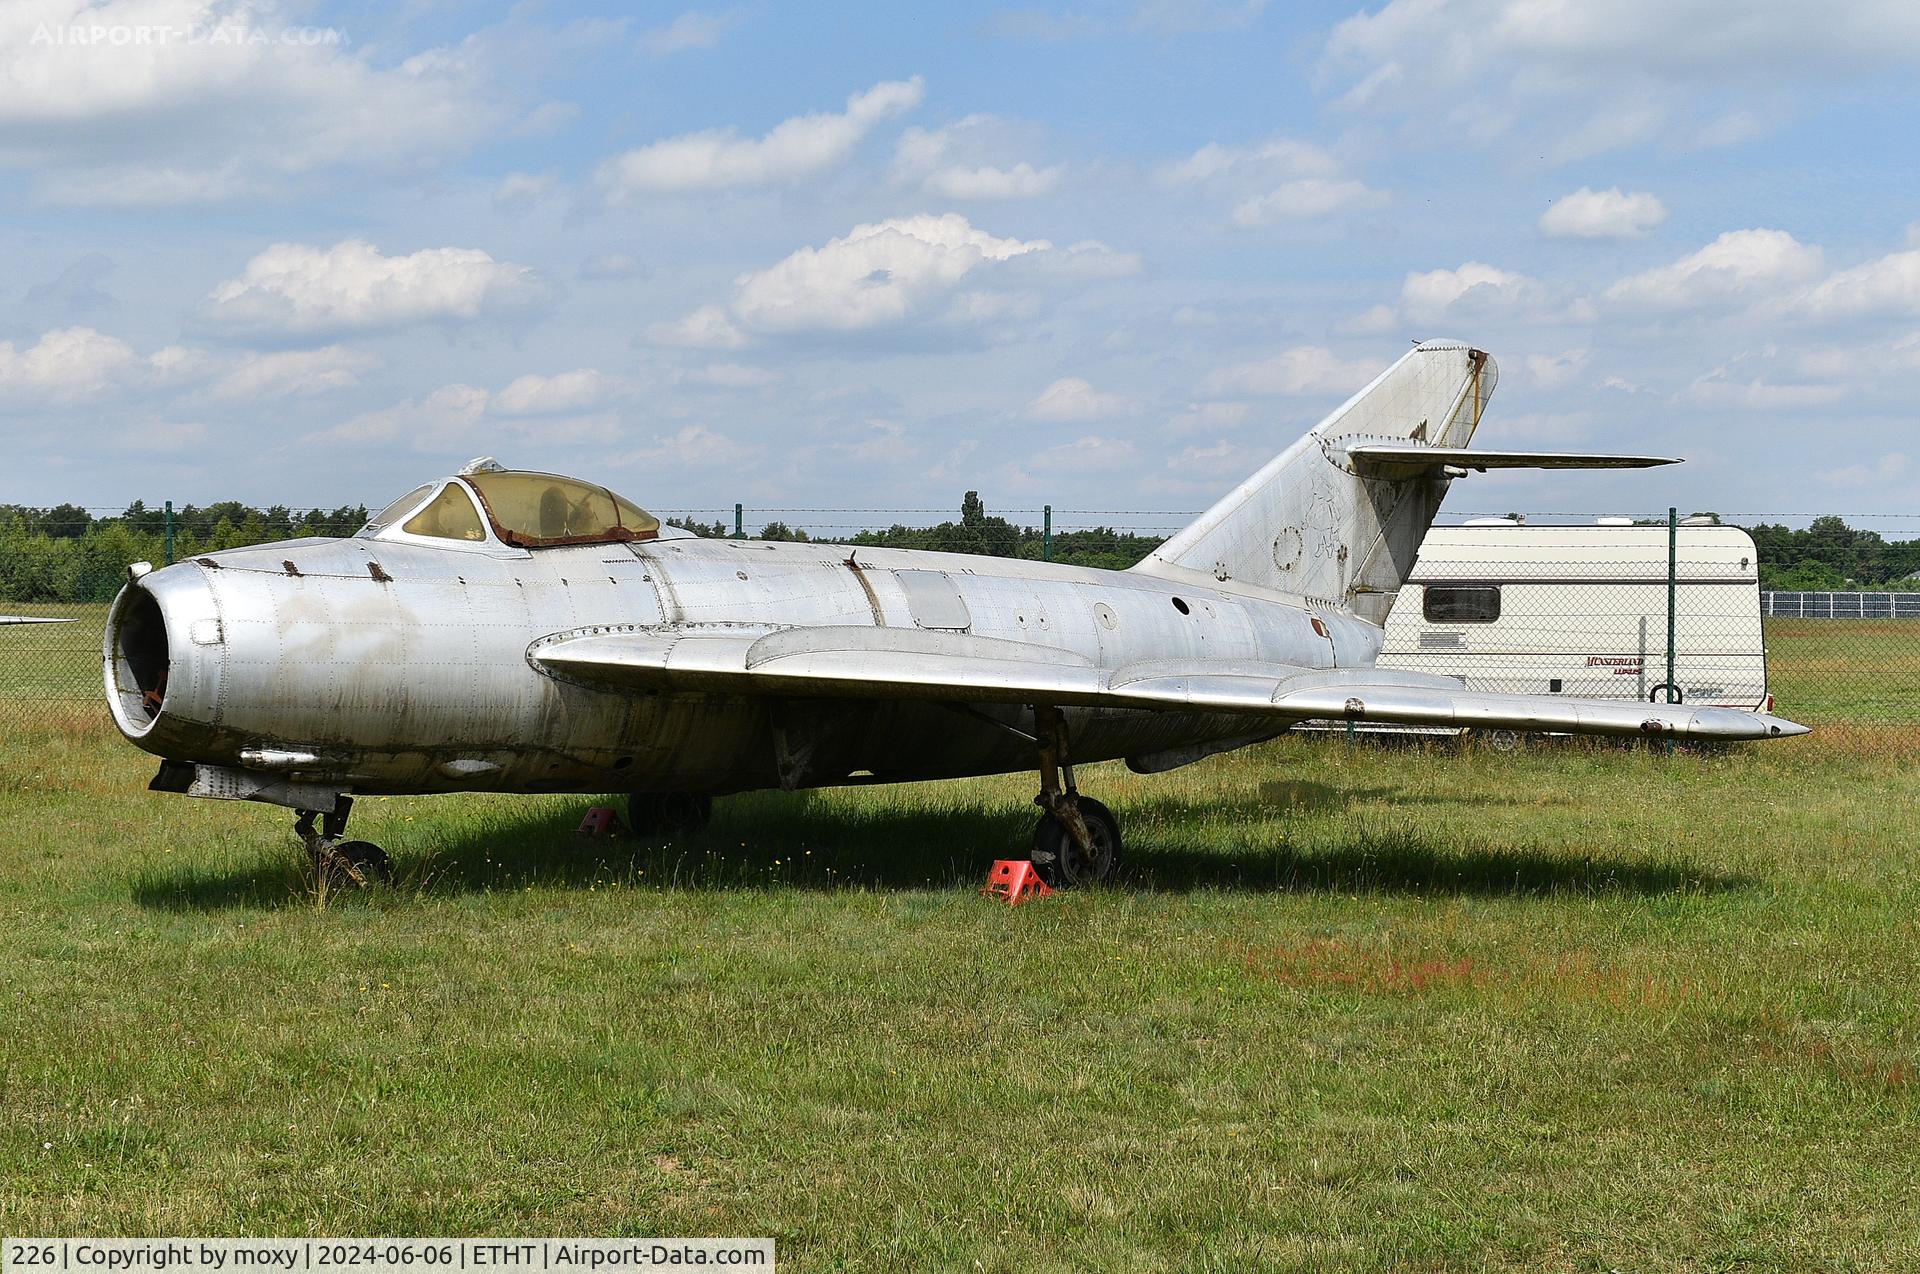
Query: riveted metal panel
[934, 601]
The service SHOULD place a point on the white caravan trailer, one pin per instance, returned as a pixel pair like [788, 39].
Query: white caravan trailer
[1582, 610]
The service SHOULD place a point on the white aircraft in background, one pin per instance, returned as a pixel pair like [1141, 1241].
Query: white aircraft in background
[525, 632]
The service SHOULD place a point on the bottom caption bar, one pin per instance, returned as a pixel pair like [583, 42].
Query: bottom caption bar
[371, 1256]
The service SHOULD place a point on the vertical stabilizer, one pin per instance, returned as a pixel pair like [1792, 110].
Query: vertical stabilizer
[1310, 524]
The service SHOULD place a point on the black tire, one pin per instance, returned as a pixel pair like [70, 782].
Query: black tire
[353, 862]
[1503, 740]
[1058, 860]
[668, 814]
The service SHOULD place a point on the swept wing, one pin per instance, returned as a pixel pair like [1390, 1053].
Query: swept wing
[895, 663]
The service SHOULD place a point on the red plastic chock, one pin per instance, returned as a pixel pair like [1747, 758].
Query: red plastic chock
[601, 821]
[1015, 879]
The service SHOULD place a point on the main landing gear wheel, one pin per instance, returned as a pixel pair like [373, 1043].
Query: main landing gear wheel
[668, 814]
[338, 862]
[1078, 839]
[1061, 862]
[359, 862]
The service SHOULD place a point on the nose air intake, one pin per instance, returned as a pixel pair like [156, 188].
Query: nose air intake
[137, 660]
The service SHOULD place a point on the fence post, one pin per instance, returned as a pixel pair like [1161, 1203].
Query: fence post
[737, 533]
[169, 533]
[1673, 593]
[1046, 533]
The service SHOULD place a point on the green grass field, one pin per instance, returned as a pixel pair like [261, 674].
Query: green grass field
[1845, 669]
[1571, 1009]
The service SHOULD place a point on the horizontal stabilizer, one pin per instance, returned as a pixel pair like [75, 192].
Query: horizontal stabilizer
[1406, 459]
[908, 663]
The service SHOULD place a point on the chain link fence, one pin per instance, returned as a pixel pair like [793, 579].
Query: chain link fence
[1515, 607]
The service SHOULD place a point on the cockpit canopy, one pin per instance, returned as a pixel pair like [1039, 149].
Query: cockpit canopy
[523, 509]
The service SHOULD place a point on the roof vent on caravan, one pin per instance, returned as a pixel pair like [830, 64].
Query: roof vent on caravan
[1614, 522]
[1515, 520]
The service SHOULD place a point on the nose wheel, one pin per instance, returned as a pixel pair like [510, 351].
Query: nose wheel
[1078, 839]
[337, 861]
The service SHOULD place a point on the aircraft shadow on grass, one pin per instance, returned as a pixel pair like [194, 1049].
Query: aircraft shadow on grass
[778, 841]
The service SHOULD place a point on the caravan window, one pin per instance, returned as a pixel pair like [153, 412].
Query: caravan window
[1461, 603]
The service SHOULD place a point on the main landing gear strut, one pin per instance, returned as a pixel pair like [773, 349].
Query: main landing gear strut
[337, 861]
[1078, 839]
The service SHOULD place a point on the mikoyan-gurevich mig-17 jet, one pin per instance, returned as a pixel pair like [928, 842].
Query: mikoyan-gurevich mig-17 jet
[510, 631]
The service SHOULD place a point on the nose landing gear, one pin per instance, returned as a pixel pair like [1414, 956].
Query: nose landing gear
[1078, 839]
[339, 862]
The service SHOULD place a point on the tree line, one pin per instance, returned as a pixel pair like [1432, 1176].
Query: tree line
[66, 554]
[977, 531]
[1831, 555]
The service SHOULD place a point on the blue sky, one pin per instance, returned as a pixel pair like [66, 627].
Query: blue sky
[873, 256]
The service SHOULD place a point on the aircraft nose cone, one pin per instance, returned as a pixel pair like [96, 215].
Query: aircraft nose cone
[1781, 728]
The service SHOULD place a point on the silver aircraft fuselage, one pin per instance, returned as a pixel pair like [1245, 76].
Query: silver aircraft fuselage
[399, 667]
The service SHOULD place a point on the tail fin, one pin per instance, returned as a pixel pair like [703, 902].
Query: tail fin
[1328, 525]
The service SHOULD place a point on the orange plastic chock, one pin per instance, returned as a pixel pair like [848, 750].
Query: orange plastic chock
[1015, 880]
[601, 821]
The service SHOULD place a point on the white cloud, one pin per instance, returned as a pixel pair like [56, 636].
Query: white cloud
[1304, 199]
[1022, 181]
[1278, 157]
[882, 274]
[1890, 285]
[1551, 371]
[1087, 259]
[1861, 360]
[956, 162]
[451, 414]
[532, 395]
[115, 119]
[1474, 289]
[293, 373]
[1739, 266]
[1073, 399]
[693, 447]
[1602, 214]
[719, 158]
[69, 363]
[708, 327]
[520, 193]
[691, 30]
[877, 274]
[546, 409]
[1306, 369]
[1376, 320]
[1594, 77]
[1280, 179]
[294, 289]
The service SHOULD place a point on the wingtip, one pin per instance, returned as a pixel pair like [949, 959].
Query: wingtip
[1781, 728]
